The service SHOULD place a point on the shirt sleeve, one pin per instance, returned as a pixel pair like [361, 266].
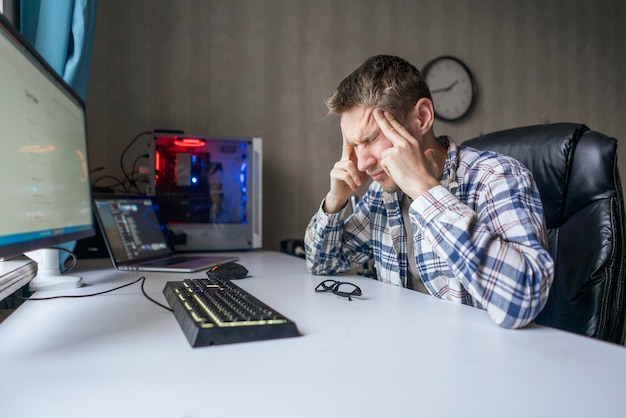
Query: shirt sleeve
[335, 246]
[496, 247]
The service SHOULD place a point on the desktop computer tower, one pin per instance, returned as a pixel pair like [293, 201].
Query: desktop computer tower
[209, 190]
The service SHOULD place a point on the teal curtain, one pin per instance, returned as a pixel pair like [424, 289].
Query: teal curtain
[62, 32]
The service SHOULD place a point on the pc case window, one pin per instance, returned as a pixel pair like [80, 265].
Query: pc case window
[209, 190]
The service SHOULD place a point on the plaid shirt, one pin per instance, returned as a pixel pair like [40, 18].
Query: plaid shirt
[480, 237]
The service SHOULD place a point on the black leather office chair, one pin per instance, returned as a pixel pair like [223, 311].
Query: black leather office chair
[576, 171]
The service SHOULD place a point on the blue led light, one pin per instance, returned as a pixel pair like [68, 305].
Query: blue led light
[243, 180]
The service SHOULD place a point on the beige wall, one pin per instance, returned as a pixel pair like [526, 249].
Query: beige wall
[240, 68]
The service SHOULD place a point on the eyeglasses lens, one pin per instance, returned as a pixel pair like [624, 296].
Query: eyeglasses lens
[346, 290]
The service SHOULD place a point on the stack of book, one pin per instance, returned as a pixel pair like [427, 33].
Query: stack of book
[14, 274]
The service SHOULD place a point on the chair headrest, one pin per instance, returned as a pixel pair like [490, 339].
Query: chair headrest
[567, 160]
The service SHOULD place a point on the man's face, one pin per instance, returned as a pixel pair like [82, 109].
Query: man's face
[360, 130]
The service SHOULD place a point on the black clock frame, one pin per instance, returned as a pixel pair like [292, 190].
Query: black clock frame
[472, 82]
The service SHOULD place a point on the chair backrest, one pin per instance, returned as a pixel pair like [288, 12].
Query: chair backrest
[577, 175]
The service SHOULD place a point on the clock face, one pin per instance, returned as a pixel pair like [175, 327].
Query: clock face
[451, 86]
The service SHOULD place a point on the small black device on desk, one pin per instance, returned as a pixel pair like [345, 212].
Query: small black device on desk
[229, 271]
[217, 311]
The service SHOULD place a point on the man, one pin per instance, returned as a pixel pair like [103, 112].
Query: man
[454, 222]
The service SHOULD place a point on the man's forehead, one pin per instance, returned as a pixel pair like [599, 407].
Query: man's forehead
[358, 124]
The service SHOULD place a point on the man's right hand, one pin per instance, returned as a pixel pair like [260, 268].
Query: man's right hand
[345, 180]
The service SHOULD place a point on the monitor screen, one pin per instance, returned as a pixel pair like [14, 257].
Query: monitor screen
[44, 175]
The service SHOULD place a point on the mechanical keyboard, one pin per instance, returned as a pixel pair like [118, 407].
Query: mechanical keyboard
[217, 311]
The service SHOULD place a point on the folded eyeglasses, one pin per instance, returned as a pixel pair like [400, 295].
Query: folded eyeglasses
[343, 289]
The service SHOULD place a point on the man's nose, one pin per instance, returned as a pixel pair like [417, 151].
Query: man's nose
[364, 159]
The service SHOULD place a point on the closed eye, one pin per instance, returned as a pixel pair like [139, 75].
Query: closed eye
[366, 141]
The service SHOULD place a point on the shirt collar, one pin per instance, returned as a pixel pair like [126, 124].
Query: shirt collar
[448, 178]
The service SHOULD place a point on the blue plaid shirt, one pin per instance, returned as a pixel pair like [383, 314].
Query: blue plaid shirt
[480, 237]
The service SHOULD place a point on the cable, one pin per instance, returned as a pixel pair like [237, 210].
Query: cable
[126, 176]
[135, 171]
[152, 300]
[142, 279]
[84, 296]
[72, 256]
[118, 182]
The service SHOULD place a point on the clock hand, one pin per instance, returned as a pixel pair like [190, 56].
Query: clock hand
[444, 88]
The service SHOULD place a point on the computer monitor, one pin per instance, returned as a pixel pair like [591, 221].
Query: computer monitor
[44, 175]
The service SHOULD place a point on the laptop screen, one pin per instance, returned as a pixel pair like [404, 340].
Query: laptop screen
[132, 228]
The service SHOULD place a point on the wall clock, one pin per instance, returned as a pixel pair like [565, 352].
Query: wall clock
[452, 87]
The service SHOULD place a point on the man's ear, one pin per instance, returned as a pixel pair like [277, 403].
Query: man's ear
[424, 113]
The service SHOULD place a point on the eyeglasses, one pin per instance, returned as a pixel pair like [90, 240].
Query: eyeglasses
[343, 289]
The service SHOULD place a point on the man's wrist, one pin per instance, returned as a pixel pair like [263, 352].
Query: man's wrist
[332, 205]
[421, 189]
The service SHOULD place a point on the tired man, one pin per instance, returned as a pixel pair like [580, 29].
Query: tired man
[447, 220]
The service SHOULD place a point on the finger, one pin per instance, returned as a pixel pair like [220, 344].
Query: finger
[397, 126]
[393, 130]
[347, 151]
[346, 173]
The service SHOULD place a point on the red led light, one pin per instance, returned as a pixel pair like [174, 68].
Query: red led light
[189, 142]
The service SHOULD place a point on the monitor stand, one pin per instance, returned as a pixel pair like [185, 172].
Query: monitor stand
[49, 275]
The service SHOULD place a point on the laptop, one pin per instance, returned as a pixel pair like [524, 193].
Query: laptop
[137, 237]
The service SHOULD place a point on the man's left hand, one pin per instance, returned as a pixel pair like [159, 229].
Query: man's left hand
[414, 170]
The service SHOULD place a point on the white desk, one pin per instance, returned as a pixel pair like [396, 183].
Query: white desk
[392, 353]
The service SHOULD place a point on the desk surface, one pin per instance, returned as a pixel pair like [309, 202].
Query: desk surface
[392, 353]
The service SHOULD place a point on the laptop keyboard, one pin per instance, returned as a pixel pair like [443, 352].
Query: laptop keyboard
[171, 261]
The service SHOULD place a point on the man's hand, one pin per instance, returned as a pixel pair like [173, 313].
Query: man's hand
[345, 179]
[414, 170]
